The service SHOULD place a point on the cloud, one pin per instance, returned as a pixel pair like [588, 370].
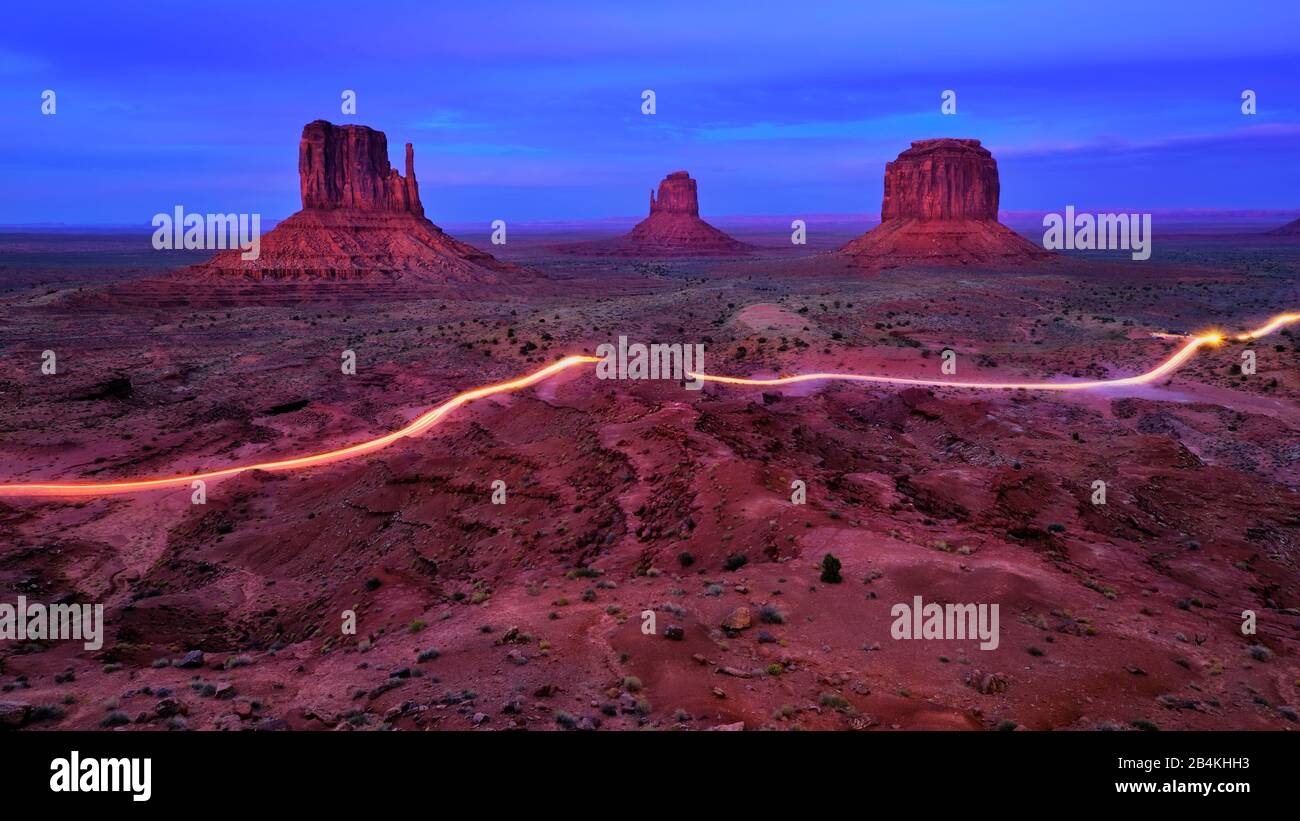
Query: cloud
[448, 120]
[858, 129]
[13, 63]
[1117, 145]
[487, 149]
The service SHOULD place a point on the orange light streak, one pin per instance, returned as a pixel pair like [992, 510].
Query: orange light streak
[419, 425]
[435, 415]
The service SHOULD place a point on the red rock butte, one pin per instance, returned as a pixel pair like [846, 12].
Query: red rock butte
[360, 220]
[941, 208]
[674, 226]
[678, 194]
[672, 229]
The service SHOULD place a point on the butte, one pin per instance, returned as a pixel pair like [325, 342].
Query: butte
[673, 228]
[360, 221]
[941, 209]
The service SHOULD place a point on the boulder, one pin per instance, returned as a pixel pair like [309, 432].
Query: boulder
[738, 619]
[14, 714]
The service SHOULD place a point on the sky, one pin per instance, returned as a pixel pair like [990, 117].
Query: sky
[532, 111]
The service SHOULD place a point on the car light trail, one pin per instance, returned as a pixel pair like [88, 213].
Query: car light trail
[432, 417]
[421, 423]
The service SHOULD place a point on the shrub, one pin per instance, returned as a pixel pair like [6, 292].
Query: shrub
[831, 569]
[770, 615]
[47, 712]
[832, 700]
[566, 720]
[114, 719]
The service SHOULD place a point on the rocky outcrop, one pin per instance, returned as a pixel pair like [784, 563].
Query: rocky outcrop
[347, 167]
[945, 179]
[672, 229]
[1291, 229]
[940, 208]
[677, 195]
[360, 220]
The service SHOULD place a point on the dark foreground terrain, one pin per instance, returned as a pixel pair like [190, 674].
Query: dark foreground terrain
[626, 497]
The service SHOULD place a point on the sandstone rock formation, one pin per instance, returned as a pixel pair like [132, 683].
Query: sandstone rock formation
[360, 220]
[672, 229]
[674, 226]
[945, 179]
[346, 167]
[941, 208]
[678, 195]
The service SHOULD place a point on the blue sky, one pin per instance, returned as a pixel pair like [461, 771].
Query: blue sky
[531, 111]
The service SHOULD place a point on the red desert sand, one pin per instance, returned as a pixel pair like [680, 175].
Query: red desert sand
[625, 500]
